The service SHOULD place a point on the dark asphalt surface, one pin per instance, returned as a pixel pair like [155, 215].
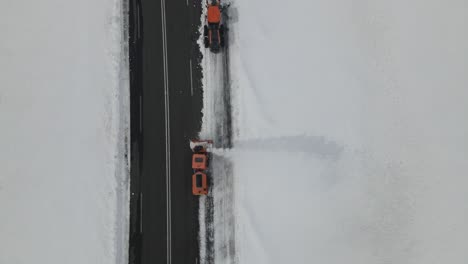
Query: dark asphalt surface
[148, 209]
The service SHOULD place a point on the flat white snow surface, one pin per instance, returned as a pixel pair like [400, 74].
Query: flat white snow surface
[64, 123]
[351, 137]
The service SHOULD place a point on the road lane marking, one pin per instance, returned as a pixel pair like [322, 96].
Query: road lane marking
[141, 115]
[168, 136]
[141, 213]
[191, 82]
[138, 20]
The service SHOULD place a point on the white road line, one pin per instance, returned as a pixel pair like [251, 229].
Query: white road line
[138, 20]
[191, 82]
[168, 136]
[141, 116]
[141, 213]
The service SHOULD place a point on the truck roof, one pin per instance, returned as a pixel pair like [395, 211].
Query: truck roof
[214, 14]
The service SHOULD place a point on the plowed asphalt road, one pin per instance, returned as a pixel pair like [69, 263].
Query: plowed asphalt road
[166, 103]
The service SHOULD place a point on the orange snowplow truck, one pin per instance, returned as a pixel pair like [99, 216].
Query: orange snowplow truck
[213, 31]
[200, 165]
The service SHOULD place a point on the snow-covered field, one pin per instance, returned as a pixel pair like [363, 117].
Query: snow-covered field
[351, 139]
[64, 124]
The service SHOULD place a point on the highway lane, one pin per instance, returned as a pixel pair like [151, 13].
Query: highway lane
[166, 103]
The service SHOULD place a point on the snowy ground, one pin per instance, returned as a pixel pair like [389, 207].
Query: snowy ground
[64, 115]
[350, 141]
[217, 233]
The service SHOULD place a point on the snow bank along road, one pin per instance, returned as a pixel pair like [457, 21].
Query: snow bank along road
[216, 212]
[165, 114]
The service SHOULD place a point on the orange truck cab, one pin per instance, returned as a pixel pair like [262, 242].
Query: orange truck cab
[199, 183]
[199, 161]
[214, 14]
